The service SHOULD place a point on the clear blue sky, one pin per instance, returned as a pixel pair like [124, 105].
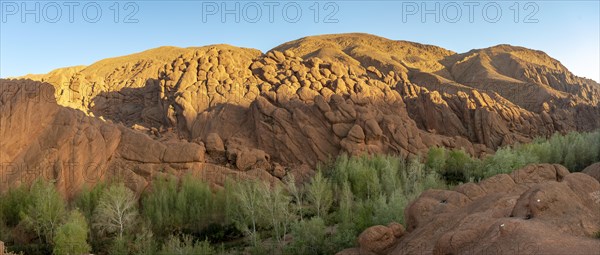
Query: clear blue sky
[567, 30]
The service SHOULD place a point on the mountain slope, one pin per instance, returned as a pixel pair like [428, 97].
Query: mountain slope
[307, 101]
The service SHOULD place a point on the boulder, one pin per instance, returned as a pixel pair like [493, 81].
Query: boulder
[251, 158]
[376, 239]
[214, 143]
[593, 171]
[182, 152]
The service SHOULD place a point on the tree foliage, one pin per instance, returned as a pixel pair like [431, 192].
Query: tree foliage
[71, 237]
[45, 212]
[117, 211]
[185, 245]
[320, 195]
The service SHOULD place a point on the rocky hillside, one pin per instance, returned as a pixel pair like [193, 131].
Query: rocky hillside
[222, 110]
[521, 213]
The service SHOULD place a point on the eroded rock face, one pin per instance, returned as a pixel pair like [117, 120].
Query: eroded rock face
[166, 110]
[324, 87]
[40, 139]
[540, 209]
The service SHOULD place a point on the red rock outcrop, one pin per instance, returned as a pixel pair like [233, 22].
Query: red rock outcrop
[521, 213]
[40, 139]
[169, 109]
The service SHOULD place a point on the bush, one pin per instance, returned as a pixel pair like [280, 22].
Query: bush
[71, 237]
[88, 199]
[143, 241]
[13, 203]
[195, 203]
[276, 208]
[436, 159]
[458, 166]
[189, 207]
[185, 245]
[159, 206]
[308, 237]
[372, 190]
[86, 202]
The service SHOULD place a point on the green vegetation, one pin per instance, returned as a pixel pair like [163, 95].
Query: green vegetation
[573, 150]
[323, 215]
[71, 238]
[45, 212]
[185, 245]
[116, 211]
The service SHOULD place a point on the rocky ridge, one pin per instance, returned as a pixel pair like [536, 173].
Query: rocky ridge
[227, 110]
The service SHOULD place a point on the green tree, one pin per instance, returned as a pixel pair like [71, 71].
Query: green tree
[276, 210]
[160, 207]
[249, 201]
[364, 179]
[116, 211]
[46, 211]
[320, 195]
[297, 195]
[71, 237]
[195, 204]
[457, 167]
[13, 203]
[88, 200]
[309, 237]
[436, 159]
[119, 246]
[345, 204]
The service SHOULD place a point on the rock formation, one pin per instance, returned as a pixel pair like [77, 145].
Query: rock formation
[521, 213]
[225, 110]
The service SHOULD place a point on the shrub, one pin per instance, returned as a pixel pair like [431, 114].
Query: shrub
[195, 204]
[71, 237]
[308, 237]
[159, 206]
[13, 203]
[86, 202]
[119, 246]
[185, 245]
[457, 168]
[436, 159]
[189, 207]
[373, 190]
[88, 199]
